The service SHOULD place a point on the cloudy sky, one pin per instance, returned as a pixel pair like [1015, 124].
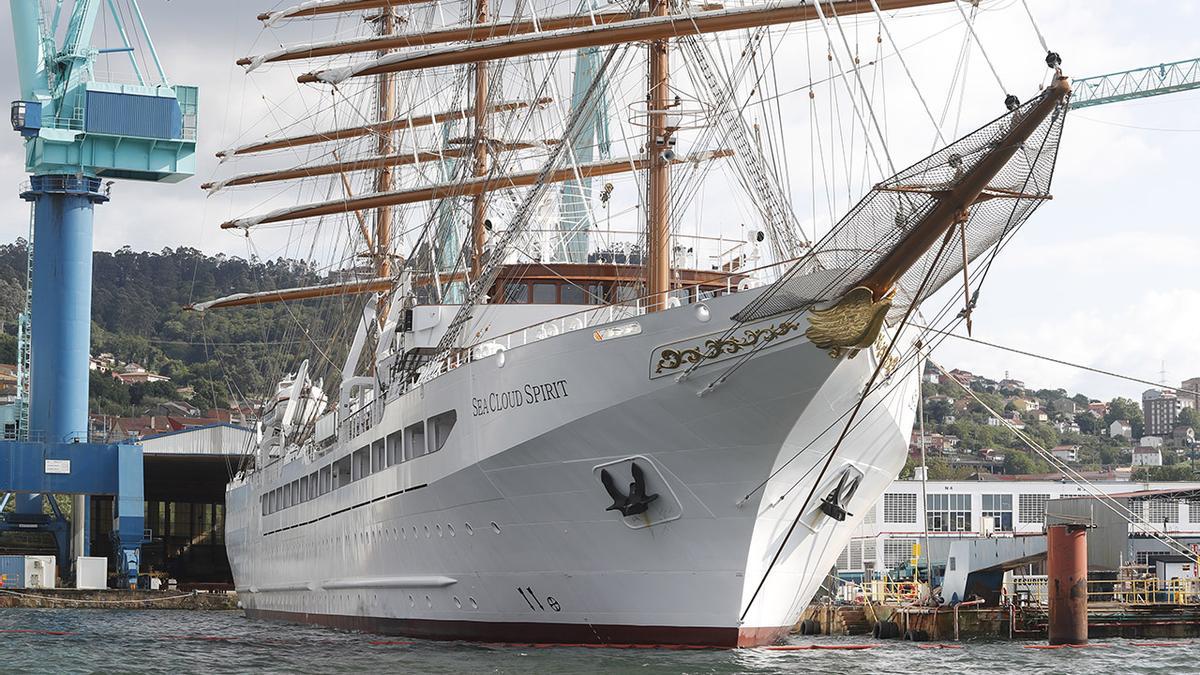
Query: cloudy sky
[1105, 275]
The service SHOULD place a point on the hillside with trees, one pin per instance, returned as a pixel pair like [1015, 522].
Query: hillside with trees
[963, 438]
[138, 316]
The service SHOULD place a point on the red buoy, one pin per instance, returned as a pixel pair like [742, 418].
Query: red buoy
[1066, 562]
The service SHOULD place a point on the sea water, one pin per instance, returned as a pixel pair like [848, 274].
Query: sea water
[165, 641]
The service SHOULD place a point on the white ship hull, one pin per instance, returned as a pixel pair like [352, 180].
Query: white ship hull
[502, 534]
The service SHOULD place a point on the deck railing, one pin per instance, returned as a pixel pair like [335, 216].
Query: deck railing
[1032, 590]
[365, 417]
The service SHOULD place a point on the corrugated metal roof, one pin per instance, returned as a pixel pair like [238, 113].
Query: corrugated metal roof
[220, 438]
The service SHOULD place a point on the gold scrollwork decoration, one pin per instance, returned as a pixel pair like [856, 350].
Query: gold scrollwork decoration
[670, 358]
[891, 362]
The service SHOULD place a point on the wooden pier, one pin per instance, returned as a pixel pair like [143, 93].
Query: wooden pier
[998, 623]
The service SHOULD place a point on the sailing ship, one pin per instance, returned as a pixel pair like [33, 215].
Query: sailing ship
[534, 438]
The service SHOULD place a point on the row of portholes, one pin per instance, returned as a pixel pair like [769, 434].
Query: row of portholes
[412, 602]
[376, 534]
[437, 528]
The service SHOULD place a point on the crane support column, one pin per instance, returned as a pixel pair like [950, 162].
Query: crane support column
[62, 305]
[61, 321]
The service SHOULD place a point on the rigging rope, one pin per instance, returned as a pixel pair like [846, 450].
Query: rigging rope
[937, 128]
[1061, 362]
[850, 92]
[862, 87]
[1037, 30]
[1010, 100]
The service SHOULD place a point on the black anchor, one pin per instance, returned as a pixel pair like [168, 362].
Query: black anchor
[832, 505]
[637, 501]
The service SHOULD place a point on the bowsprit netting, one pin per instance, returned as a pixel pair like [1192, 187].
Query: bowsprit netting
[878, 224]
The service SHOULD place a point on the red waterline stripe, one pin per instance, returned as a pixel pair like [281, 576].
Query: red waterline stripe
[797, 648]
[31, 631]
[590, 645]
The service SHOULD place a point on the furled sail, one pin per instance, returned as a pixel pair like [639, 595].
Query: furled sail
[469, 32]
[463, 188]
[616, 32]
[364, 164]
[397, 124]
[299, 293]
[324, 7]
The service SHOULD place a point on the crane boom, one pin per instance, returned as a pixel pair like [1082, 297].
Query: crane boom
[1165, 78]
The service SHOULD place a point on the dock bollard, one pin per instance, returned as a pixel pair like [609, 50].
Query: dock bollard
[1066, 562]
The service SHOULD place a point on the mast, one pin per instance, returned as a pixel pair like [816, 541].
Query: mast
[658, 234]
[385, 110]
[479, 203]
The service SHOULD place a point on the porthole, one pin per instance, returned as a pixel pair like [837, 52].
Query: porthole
[411, 602]
[474, 605]
[450, 529]
[428, 602]
[470, 530]
[457, 602]
[495, 527]
[426, 531]
[439, 530]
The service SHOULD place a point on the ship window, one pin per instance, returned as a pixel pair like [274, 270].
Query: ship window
[377, 456]
[303, 489]
[414, 440]
[341, 472]
[440, 426]
[545, 294]
[274, 505]
[626, 293]
[683, 295]
[285, 496]
[572, 294]
[313, 486]
[361, 464]
[263, 499]
[395, 448]
[516, 293]
[326, 474]
[295, 493]
[596, 294]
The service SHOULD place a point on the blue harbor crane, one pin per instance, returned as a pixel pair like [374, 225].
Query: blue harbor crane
[1165, 78]
[81, 131]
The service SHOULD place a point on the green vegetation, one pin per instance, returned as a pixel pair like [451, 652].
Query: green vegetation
[138, 316]
[952, 412]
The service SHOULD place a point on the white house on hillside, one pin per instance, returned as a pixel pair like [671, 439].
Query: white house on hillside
[1120, 428]
[1147, 456]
